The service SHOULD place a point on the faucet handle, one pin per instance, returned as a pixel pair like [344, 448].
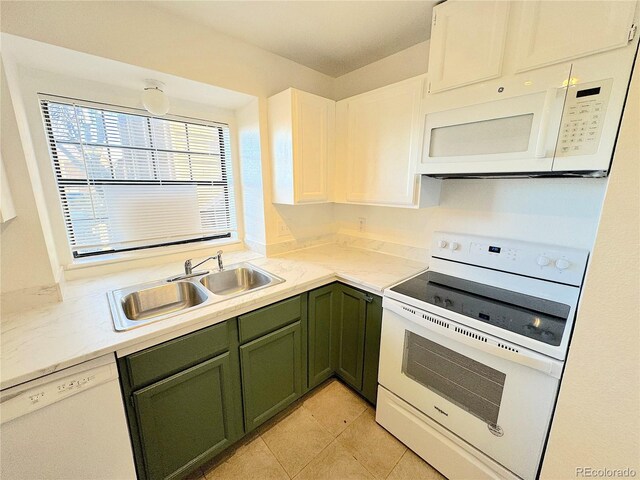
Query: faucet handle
[187, 267]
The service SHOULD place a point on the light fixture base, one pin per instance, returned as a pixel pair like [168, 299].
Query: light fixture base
[154, 99]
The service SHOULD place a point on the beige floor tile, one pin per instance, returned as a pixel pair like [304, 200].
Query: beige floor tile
[253, 461]
[412, 467]
[296, 439]
[321, 387]
[335, 407]
[334, 463]
[372, 445]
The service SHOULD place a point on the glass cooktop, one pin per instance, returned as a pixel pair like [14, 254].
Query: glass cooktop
[532, 317]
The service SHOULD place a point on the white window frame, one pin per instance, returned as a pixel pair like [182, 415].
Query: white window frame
[31, 84]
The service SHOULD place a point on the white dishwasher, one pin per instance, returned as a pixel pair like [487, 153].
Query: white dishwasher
[68, 425]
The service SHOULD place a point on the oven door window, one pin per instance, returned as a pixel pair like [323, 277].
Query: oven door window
[469, 384]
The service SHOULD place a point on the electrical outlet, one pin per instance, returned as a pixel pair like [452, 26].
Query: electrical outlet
[283, 229]
[362, 224]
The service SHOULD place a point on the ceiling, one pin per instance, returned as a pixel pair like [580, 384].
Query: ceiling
[332, 37]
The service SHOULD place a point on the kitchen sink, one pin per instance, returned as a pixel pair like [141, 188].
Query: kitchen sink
[237, 280]
[161, 300]
[139, 305]
[149, 302]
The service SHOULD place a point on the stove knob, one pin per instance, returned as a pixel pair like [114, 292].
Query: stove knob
[437, 299]
[453, 246]
[447, 303]
[530, 328]
[562, 264]
[442, 244]
[543, 261]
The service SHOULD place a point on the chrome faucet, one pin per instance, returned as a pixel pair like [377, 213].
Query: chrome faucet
[188, 268]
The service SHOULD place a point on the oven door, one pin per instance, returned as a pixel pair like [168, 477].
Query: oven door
[492, 394]
[509, 125]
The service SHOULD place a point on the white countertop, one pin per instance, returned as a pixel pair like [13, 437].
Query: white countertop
[47, 339]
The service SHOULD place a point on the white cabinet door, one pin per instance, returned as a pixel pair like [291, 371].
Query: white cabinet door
[552, 32]
[467, 43]
[314, 120]
[380, 143]
[301, 131]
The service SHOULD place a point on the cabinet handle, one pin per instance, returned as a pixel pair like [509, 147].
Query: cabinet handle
[368, 298]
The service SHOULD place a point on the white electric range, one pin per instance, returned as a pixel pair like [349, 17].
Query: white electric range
[473, 350]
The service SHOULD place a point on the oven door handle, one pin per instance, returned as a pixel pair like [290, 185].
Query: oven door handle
[447, 328]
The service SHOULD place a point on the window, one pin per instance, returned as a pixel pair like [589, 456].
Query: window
[129, 181]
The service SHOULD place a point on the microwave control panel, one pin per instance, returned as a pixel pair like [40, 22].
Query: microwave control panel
[583, 118]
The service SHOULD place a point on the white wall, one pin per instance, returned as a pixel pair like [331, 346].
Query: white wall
[405, 64]
[23, 245]
[137, 33]
[560, 210]
[248, 122]
[597, 419]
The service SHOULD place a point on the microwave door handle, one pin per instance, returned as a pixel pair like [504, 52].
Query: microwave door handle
[541, 144]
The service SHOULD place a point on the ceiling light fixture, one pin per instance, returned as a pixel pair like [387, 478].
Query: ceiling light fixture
[154, 99]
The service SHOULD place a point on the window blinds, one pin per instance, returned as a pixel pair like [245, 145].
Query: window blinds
[128, 181]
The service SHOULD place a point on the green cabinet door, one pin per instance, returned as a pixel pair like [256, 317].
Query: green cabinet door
[348, 334]
[187, 417]
[373, 329]
[322, 306]
[271, 373]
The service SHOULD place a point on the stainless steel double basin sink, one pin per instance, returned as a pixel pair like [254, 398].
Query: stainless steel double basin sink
[139, 305]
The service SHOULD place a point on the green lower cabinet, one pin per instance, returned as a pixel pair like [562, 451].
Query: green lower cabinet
[344, 337]
[190, 398]
[272, 372]
[348, 334]
[187, 417]
[322, 306]
[373, 329]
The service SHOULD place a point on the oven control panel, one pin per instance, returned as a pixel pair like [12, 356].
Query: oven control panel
[583, 118]
[548, 262]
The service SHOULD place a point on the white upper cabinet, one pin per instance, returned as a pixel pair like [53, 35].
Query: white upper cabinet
[7, 211]
[467, 42]
[379, 140]
[301, 130]
[552, 32]
[476, 41]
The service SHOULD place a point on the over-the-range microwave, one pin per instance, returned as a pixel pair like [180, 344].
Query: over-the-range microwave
[561, 120]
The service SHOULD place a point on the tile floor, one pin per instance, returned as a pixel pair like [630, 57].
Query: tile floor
[329, 434]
